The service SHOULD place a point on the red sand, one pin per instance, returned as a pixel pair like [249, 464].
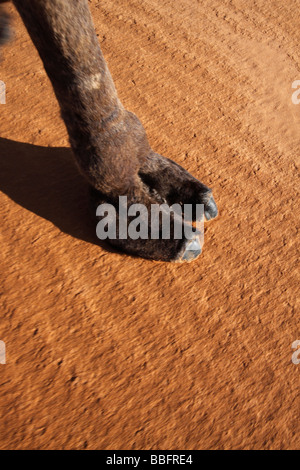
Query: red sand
[109, 352]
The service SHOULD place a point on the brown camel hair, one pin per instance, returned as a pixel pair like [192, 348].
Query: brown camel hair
[109, 143]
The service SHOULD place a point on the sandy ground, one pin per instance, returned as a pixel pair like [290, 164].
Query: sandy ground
[109, 352]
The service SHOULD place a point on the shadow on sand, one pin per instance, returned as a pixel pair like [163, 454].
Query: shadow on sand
[46, 181]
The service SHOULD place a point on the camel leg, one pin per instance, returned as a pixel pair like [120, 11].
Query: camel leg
[109, 143]
[5, 30]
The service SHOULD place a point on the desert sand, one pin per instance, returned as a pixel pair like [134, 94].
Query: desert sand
[107, 351]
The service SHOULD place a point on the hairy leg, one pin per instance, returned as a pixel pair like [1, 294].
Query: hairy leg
[5, 29]
[109, 143]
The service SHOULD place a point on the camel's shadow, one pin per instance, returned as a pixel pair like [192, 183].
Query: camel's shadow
[46, 181]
